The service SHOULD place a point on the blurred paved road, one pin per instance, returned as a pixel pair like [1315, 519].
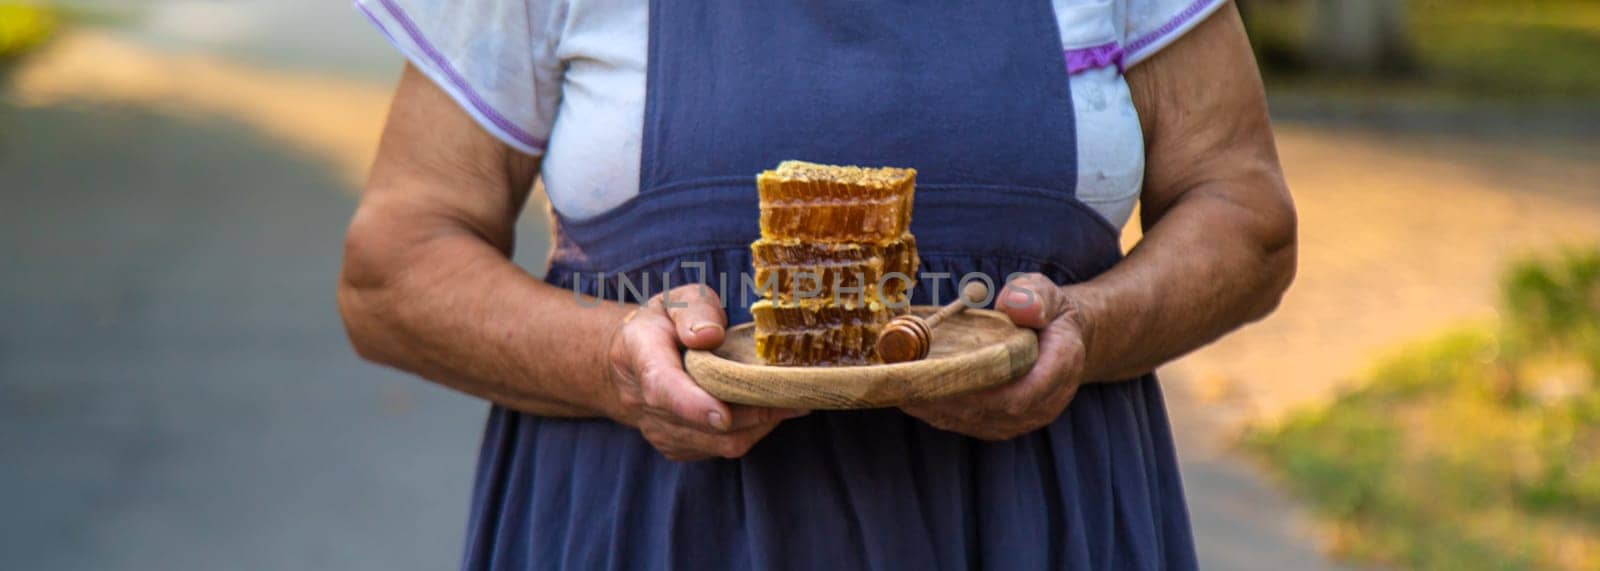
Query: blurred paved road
[175, 390]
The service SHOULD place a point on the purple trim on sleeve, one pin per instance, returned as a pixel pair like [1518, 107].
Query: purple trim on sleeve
[1160, 33]
[376, 23]
[1103, 55]
[450, 74]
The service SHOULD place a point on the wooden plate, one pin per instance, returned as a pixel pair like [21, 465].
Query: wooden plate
[971, 350]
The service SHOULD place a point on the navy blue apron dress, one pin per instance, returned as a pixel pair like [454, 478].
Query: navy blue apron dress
[975, 96]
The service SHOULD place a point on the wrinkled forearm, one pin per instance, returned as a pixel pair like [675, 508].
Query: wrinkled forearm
[1209, 266]
[1219, 245]
[455, 310]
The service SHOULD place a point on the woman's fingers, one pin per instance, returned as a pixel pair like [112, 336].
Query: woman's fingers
[947, 414]
[1032, 301]
[663, 384]
[1045, 389]
[696, 313]
[745, 416]
[682, 443]
[681, 419]
[964, 415]
[1031, 401]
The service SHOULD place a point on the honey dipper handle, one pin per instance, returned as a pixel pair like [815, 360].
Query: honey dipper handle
[973, 294]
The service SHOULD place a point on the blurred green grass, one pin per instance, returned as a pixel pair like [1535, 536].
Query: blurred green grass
[1479, 449]
[1500, 49]
[24, 27]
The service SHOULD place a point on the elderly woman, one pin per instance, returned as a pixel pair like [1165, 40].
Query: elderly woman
[1035, 126]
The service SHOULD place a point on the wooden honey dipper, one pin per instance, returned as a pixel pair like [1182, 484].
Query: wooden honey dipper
[909, 337]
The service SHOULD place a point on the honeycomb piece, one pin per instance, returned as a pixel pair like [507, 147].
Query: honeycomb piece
[816, 269]
[812, 332]
[830, 229]
[822, 203]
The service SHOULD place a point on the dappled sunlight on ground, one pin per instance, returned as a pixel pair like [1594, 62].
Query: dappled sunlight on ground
[1400, 235]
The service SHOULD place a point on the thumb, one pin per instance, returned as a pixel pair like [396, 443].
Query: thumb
[697, 316]
[1031, 300]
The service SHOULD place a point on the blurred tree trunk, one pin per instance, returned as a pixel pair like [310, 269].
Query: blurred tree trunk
[1363, 36]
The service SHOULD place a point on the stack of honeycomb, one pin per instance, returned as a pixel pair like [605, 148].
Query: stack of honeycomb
[829, 235]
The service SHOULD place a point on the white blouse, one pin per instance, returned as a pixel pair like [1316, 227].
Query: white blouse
[565, 80]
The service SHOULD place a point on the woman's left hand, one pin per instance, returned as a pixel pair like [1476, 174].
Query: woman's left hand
[1036, 399]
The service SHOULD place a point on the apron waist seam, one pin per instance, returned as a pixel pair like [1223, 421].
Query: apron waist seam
[556, 267]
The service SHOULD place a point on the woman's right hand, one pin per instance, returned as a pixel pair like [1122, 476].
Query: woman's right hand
[679, 418]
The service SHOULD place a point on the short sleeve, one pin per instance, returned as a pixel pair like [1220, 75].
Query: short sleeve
[1154, 24]
[496, 58]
